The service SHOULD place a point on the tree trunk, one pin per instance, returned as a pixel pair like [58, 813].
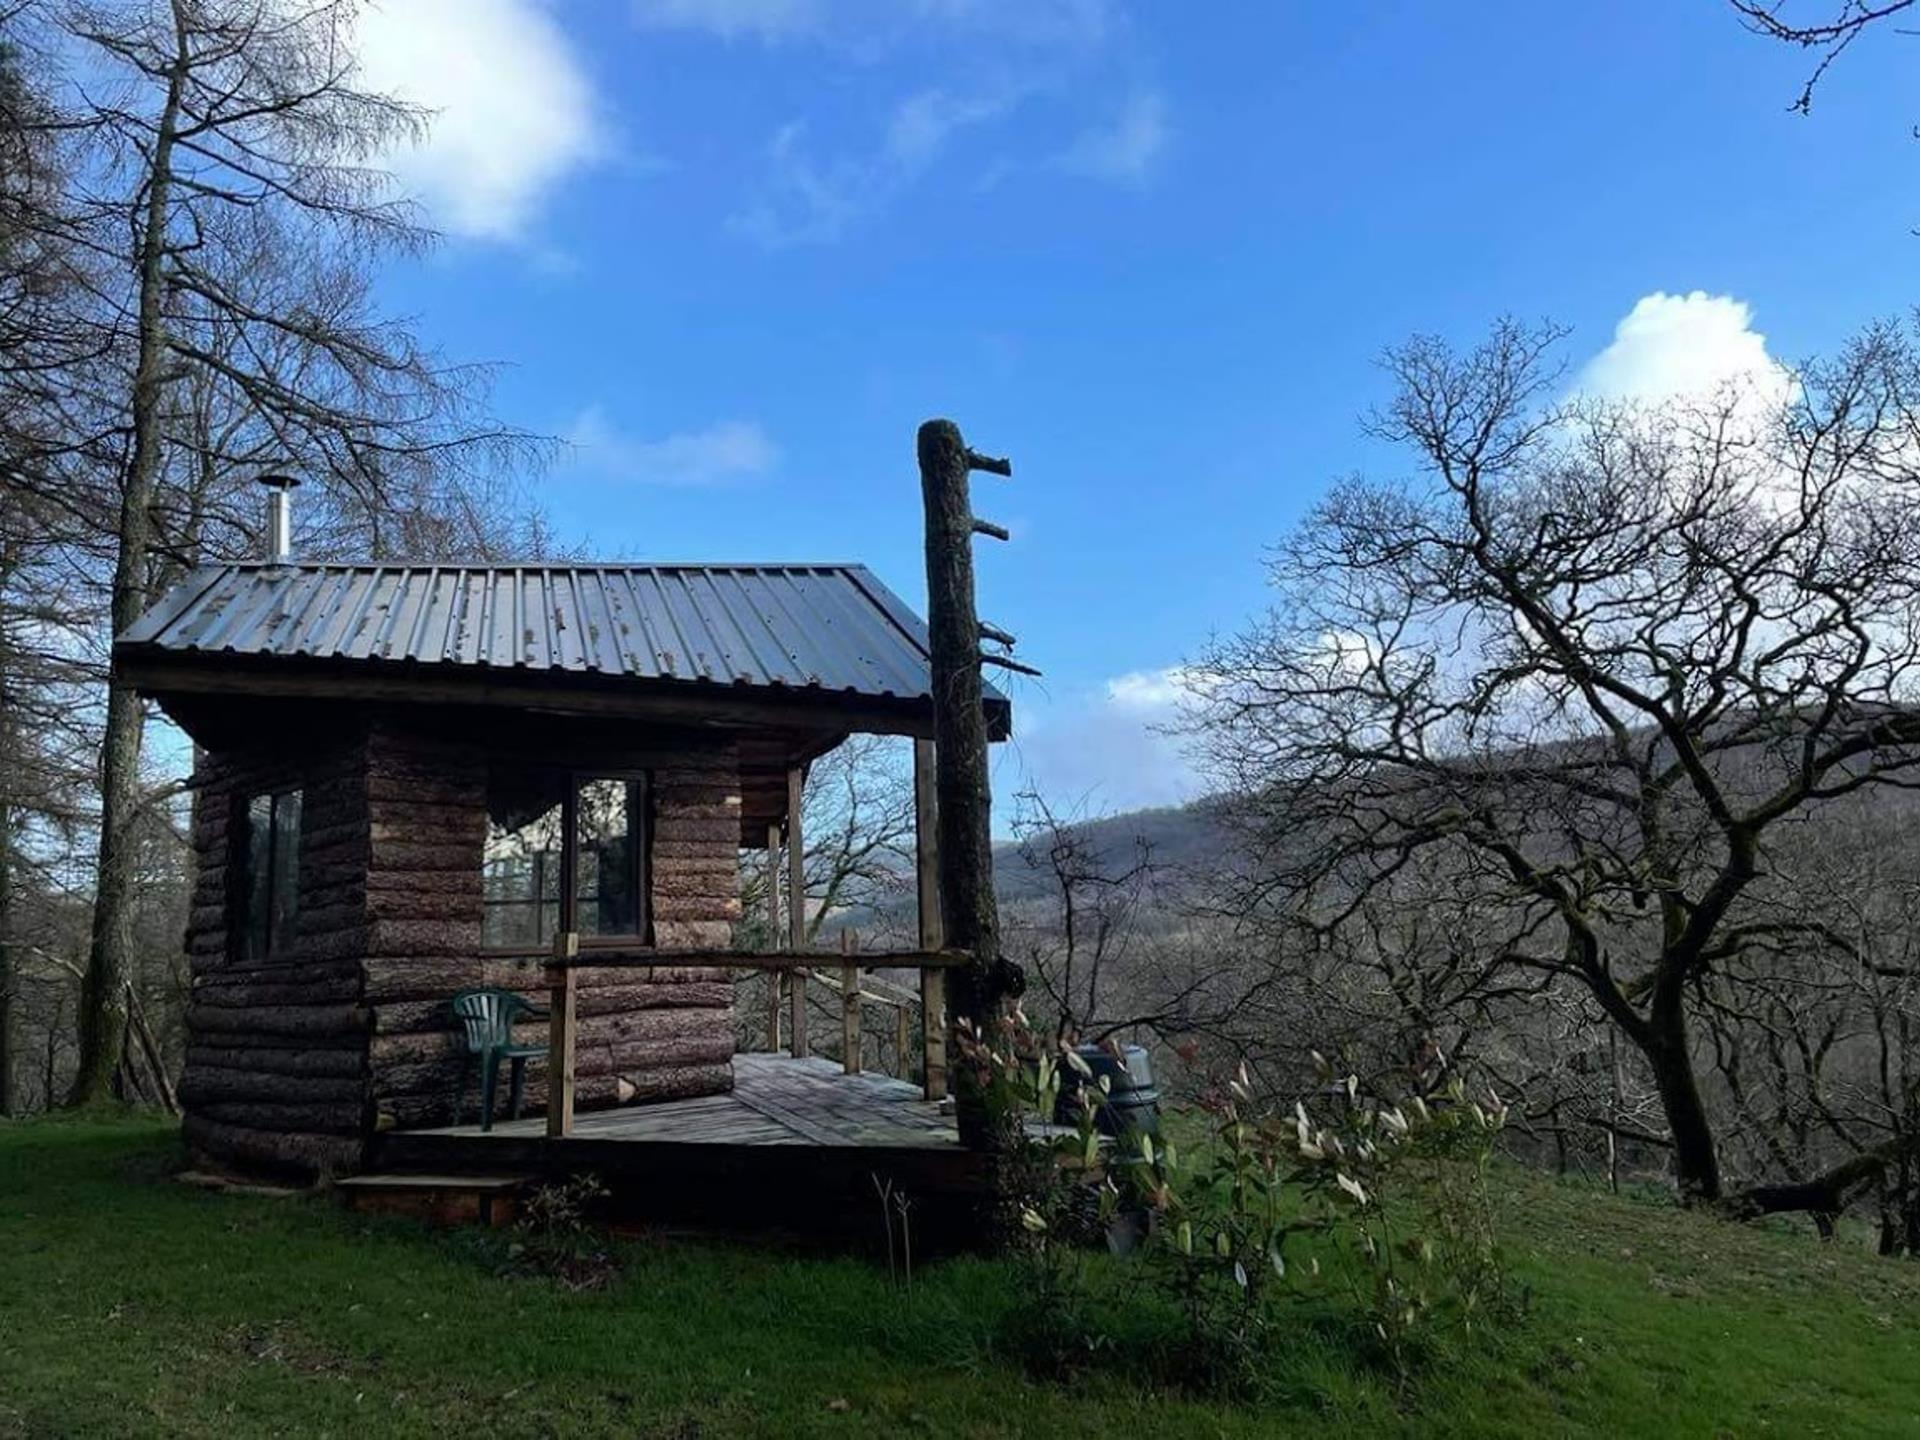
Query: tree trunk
[968, 909]
[9, 776]
[1696, 1161]
[1825, 1195]
[6, 911]
[103, 1007]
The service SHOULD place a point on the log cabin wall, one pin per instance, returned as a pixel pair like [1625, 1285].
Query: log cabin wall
[294, 1061]
[665, 1034]
[276, 1065]
[426, 823]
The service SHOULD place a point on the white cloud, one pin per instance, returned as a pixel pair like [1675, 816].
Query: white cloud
[1038, 24]
[806, 198]
[1148, 690]
[922, 123]
[871, 26]
[1679, 346]
[730, 19]
[1125, 148]
[1000, 54]
[515, 113]
[1108, 746]
[727, 450]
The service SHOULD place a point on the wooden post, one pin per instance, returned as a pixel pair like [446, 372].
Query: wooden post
[563, 1018]
[903, 1040]
[773, 936]
[926, 849]
[969, 913]
[849, 1008]
[797, 912]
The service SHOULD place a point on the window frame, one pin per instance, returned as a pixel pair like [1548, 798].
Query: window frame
[640, 829]
[243, 883]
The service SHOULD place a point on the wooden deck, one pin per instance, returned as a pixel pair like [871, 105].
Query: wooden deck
[797, 1144]
[776, 1100]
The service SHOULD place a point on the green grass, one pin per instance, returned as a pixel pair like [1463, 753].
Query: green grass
[131, 1304]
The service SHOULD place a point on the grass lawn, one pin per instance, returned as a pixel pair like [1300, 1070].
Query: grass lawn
[131, 1304]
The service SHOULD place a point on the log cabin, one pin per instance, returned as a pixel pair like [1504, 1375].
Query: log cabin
[414, 779]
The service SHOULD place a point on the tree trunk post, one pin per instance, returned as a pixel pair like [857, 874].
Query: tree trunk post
[963, 801]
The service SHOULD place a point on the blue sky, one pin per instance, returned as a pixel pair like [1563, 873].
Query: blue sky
[736, 250]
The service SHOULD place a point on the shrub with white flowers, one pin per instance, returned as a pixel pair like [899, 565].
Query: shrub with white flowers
[1379, 1205]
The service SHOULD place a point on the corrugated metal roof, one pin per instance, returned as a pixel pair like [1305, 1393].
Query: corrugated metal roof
[832, 628]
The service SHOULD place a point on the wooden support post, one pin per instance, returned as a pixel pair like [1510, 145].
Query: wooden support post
[563, 1018]
[903, 1040]
[933, 1016]
[773, 937]
[849, 1008]
[926, 847]
[969, 913]
[797, 911]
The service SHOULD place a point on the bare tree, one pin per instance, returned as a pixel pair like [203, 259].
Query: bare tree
[1084, 938]
[1813, 1032]
[227, 207]
[46, 611]
[857, 820]
[1588, 666]
[1828, 31]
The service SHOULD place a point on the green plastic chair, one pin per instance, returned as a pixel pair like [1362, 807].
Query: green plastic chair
[487, 1018]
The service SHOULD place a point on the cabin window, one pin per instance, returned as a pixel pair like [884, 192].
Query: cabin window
[270, 873]
[564, 852]
[521, 874]
[609, 888]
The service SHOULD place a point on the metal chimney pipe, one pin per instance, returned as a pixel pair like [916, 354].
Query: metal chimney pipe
[279, 516]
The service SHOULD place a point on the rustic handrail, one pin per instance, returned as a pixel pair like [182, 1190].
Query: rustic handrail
[589, 954]
[567, 958]
[644, 957]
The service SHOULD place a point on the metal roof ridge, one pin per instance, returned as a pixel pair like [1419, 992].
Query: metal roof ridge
[398, 563]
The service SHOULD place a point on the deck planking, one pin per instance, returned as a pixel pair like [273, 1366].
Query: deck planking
[776, 1100]
[798, 1146]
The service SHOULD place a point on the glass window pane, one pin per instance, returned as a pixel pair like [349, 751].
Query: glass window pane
[284, 904]
[256, 880]
[520, 865]
[605, 891]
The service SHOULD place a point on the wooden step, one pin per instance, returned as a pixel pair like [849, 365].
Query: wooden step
[490, 1200]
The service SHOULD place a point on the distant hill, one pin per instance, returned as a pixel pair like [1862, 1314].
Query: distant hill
[1179, 837]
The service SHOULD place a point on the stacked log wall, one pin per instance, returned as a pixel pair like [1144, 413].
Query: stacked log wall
[643, 1035]
[276, 1064]
[295, 1060]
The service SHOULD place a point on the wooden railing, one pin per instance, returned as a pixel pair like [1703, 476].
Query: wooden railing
[568, 959]
[855, 988]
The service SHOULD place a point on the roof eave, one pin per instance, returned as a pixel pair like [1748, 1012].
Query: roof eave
[159, 672]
